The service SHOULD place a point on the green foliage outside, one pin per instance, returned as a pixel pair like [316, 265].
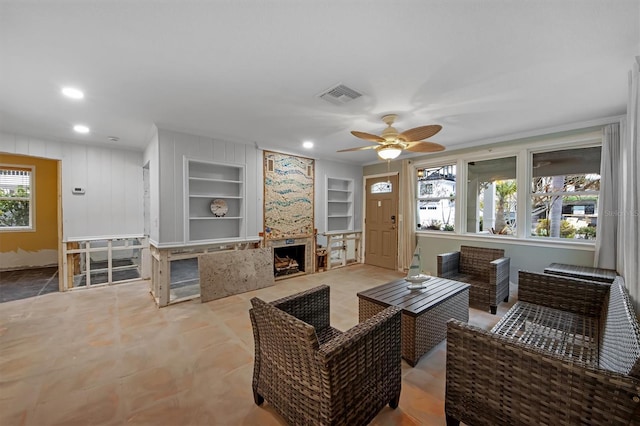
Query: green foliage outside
[505, 190]
[567, 230]
[15, 212]
[589, 232]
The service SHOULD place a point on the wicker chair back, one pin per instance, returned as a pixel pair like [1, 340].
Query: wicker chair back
[620, 341]
[475, 260]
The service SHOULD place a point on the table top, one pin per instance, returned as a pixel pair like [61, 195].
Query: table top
[414, 302]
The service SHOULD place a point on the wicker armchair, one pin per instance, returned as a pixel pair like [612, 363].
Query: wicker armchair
[312, 373]
[485, 269]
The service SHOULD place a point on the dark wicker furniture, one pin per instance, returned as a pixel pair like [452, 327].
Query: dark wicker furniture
[582, 272]
[566, 353]
[485, 269]
[312, 373]
[425, 312]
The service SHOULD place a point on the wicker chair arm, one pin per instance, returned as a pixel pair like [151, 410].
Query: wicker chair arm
[499, 271]
[502, 263]
[311, 306]
[448, 263]
[361, 368]
[495, 380]
[568, 294]
[382, 328]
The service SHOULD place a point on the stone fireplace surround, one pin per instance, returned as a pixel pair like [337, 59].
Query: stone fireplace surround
[309, 251]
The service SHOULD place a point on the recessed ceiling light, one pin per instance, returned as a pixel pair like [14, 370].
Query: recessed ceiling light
[81, 128]
[72, 93]
[307, 144]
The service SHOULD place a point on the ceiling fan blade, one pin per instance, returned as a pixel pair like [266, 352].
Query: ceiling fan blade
[423, 146]
[362, 148]
[367, 136]
[419, 133]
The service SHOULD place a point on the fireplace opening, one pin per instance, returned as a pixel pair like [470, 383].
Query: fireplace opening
[288, 260]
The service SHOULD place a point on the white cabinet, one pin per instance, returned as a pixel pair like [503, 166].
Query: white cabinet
[219, 185]
[339, 204]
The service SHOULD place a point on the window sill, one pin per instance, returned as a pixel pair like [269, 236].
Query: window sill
[18, 229]
[587, 245]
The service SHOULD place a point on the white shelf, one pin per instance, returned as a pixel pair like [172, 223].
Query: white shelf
[214, 218]
[339, 206]
[231, 197]
[214, 180]
[206, 181]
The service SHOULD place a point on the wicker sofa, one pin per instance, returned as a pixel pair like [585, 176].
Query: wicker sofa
[567, 353]
[314, 374]
[485, 269]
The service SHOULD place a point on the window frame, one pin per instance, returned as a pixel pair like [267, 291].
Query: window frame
[417, 198]
[32, 198]
[522, 149]
[500, 155]
[529, 195]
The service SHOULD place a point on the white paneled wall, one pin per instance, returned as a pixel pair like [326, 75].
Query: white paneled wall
[151, 159]
[173, 147]
[112, 178]
[113, 202]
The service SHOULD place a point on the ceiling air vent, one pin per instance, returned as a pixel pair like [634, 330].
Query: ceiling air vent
[339, 94]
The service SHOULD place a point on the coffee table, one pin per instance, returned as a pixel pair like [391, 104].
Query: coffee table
[425, 312]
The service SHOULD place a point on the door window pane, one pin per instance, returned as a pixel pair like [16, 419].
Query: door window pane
[381, 188]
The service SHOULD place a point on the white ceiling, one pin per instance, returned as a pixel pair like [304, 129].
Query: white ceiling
[250, 71]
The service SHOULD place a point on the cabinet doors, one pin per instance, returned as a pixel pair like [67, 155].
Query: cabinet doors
[214, 201]
[339, 204]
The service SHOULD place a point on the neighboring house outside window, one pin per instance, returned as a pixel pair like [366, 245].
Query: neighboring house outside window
[16, 197]
[565, 188]
[436, 198]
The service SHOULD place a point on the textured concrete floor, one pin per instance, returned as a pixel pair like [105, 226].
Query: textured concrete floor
[108, 356]
[21, 284]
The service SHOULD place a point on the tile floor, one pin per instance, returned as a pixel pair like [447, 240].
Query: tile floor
[108, 356]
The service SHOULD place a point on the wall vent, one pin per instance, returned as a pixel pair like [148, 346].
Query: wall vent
[339, 94]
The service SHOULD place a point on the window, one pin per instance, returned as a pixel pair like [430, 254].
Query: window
[491, 195]
[15, 197]
[381, 188]
[436, 198]
[564, 193]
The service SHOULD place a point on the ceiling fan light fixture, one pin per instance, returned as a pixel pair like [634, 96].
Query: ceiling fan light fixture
[389, 152]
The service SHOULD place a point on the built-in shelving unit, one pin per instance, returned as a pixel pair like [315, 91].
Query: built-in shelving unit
[339, 204]
[208, 181]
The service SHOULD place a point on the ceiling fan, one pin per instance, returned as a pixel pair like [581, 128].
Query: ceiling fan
[391, 143]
